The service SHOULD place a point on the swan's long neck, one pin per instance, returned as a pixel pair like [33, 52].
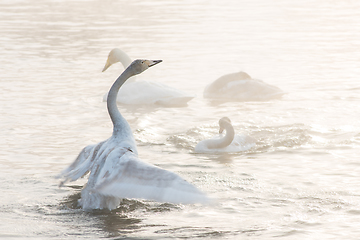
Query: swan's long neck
[119, 122]
[224, 141]
[123, 58]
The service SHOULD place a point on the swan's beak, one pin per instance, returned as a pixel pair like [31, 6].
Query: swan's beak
[154, 62]
[107, 65]
[221, 130]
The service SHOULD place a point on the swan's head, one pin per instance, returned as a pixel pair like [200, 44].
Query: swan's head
[116, 55]
[140, 65]
[223, 122]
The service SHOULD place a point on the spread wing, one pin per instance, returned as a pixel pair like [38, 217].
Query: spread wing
[129, 177]
[82, 164]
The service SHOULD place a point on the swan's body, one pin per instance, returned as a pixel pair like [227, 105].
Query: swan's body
[145, 92]
[241, 87]
[228, 143]
[116, 172]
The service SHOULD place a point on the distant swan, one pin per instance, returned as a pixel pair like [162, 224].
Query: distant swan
[145, 92]
[228, 143]
[241, 87]
[116, 171]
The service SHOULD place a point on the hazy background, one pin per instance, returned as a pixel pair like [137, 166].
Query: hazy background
[301, 181]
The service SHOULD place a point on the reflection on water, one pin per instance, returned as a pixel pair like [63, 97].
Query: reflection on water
[299, 181]
[223, 158]
[119, 221]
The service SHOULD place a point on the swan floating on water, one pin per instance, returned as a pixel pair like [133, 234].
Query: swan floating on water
[228, 143]
[116, 171]
[241, 87]
[145, 92]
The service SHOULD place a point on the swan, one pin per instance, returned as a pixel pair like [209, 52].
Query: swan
[241, 87]
[228, 143]
[145, 92]
[115, 169]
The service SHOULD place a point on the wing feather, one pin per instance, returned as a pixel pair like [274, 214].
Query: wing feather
[129, 177]
[82, 164]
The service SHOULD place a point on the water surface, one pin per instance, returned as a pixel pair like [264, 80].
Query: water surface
[301, 181]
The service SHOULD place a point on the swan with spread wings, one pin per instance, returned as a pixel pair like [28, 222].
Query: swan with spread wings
[115, 170]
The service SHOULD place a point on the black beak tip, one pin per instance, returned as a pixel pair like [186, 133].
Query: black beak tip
[154, 62]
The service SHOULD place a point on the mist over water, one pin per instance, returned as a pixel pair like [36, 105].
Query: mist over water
[300, 181]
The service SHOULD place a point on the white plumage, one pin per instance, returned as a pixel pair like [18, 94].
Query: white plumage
[228, 143]
[151, 93]
[145, 92]
[241, 87]
[240, 143]
[131, 178]
[116, 171]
